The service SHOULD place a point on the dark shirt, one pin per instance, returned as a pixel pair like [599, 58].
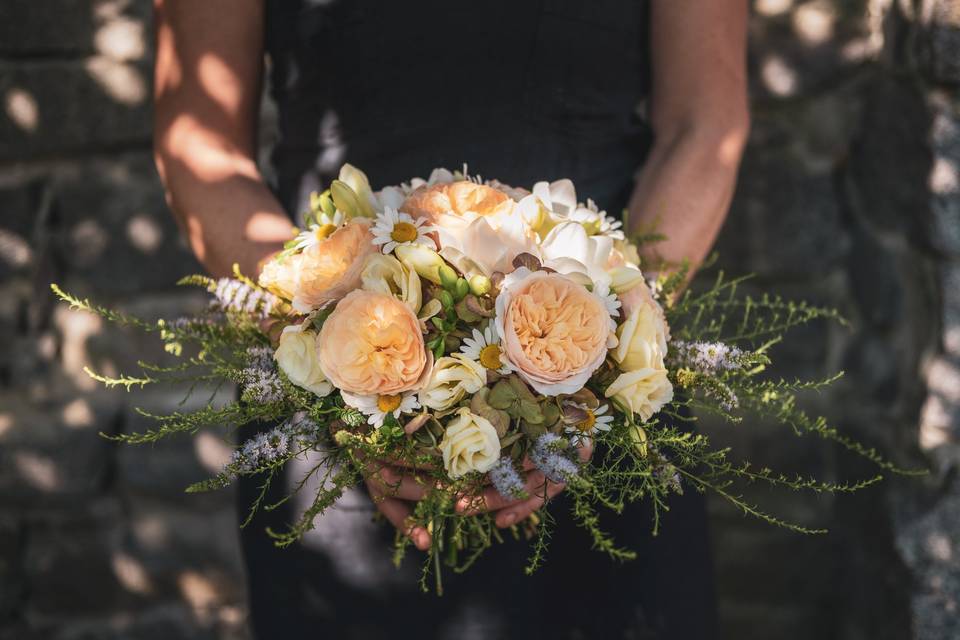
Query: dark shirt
[522, 91]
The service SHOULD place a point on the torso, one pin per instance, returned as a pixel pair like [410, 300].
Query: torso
[521, 90]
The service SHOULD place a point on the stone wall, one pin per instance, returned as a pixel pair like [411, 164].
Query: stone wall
[849, 196]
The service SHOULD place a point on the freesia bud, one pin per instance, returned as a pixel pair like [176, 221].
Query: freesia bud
[425, 261]
[345, 199]
[480, 285]
[639, 438]
[326, 204]
[448, 277]
[358, 182]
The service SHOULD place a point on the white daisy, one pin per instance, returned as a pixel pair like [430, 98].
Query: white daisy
[394, 228]
[597, 420]
[597, 222]
[485, 348]
[377, 407]
[320, 230]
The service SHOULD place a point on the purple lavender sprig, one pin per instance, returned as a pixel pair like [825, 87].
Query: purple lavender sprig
[709, 358]
[237, 296]
[260, 358]
[548, 454]
[506, 480]
[291, 437]
[261, 386]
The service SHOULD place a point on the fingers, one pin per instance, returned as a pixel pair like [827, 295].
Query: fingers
[585, 450]
[490, 499]
[398, 514]
[396, 484]
[487, 500]
[517, 513]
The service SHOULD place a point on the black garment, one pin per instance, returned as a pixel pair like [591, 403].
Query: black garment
[523, 91]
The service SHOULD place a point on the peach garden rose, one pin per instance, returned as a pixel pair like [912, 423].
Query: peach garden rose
[331, 268]
[555, 332]
[372, 345]
[439, 202]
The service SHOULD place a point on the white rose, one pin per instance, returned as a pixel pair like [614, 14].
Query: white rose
[470, 443]
[453, 377]
[296, 356]
[643, 391]
[386, 274]
[642, 339]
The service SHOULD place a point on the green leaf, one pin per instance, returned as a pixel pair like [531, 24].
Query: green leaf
[532, 431]
[502, 395]
[510, 439]
[530, 411]
[461, 289]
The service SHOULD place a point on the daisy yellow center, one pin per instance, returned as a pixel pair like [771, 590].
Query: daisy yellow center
[403, 232]
[388, 403]
[323, 231]
[588, 422]
[490, 356]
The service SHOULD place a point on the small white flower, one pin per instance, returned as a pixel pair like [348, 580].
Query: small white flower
[485, 348]
[601, 223]
[377, 407]
[394, 229]
[597, 420]
[319, 231]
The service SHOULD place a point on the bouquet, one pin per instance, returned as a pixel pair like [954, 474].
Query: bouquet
[473, 332]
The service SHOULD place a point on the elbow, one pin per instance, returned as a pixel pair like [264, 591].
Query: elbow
[720, 134]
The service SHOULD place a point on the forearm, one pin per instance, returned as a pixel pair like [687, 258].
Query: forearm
[684, 192]
[225, 209]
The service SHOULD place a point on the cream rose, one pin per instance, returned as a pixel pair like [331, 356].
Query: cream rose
[554, 331]
[643, 391]
[296, 355]
[642, 339]
[453, 378]
[388, 275]
[331, 268]
[372, 344]
[279, 276]
[470, 443]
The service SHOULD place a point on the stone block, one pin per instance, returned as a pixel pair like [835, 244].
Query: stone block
[887, 177]
[784, 220]
[13, 588]
[944, 41]
[69, 563]
[945, 176]
[68, 106]
[116, 233]
[52, 26]
[166, 468]
[796, 47]
[20, 211]
[51, 453]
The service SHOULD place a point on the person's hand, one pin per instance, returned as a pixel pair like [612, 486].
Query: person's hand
[391, 489]
[511, 511]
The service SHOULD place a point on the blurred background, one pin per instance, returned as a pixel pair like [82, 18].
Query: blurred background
[849, 196]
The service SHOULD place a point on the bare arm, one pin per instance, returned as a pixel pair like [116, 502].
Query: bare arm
[207, 90]
[700, 119]
[208, 73]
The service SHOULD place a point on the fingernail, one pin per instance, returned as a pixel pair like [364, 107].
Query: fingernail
[509, 519]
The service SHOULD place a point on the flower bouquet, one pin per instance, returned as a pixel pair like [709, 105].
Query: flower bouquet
[477, 334]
